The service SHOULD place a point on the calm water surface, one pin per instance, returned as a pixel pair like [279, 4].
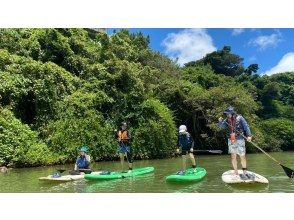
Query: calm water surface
[26, 179]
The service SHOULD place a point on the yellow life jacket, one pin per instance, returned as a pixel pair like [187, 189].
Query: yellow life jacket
[123, 135]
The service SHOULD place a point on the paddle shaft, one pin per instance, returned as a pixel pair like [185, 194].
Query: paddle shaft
[262, 151]
[210, 151]
[289, 172]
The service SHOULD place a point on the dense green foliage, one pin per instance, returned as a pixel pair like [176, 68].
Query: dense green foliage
[20, 145]
[225, 62]
[280, 130]
[62, 88]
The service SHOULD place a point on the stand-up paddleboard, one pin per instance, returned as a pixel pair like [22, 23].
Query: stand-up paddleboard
[118, 175]
[65, 178]
[250, 177]
[188, 176]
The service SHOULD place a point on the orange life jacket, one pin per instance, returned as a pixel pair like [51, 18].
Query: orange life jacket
[123, 135]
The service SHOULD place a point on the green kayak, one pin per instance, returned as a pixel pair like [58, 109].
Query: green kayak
[119, 175]
[188, 176]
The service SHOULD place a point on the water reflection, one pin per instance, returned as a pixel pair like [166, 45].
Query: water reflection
[27, 180]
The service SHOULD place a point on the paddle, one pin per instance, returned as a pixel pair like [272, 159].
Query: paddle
[210, 151]
[289, 172]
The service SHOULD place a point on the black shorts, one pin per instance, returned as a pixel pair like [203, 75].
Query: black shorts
[184, 151]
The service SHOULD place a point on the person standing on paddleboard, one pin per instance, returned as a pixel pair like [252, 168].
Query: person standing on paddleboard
[83, 161]
[186, 143]
[237, 127]
[124, 139]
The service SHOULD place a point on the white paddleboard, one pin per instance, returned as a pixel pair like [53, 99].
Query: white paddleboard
[229, 177]
[65, 178]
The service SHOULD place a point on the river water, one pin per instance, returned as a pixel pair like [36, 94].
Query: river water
[26, 179]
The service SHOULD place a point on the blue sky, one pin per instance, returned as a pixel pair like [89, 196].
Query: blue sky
[272, 49]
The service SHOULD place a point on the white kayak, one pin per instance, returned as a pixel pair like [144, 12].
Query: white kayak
[251, 177]
[65, 178]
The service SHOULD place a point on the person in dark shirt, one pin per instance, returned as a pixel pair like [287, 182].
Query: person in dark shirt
[186, 144]
[83, 161]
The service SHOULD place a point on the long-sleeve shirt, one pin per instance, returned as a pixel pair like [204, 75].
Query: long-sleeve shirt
[240, 127]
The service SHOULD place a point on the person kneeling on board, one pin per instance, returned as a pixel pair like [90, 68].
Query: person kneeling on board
[186, 143]
[238, 129]
[83, 161]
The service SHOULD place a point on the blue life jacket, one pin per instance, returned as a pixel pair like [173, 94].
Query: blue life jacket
[185, 141]
[82, 163]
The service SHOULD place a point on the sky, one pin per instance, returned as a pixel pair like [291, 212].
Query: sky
[271, 48]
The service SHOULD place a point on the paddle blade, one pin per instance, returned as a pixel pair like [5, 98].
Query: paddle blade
[289, 172]
[215, 151]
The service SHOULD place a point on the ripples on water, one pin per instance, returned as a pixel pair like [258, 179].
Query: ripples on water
[26, 180]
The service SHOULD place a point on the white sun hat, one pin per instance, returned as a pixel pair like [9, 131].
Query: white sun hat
[182, 129]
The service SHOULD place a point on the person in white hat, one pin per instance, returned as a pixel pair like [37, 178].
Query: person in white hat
[186, 143]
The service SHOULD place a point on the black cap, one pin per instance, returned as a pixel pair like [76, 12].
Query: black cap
[124, 123]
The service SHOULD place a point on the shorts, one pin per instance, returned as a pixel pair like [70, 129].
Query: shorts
[186, 151]
[123, 149]
[237, 148]
[128, 150]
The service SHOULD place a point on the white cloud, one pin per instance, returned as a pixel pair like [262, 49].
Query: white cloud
[286, 64]
[265, 41]
[188, 45]
[237, 31]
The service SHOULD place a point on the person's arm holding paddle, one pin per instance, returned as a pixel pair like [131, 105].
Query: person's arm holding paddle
[246, 129]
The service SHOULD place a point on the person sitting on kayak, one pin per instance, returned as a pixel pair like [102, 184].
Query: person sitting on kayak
[83, 161]
[124, 137]
[238, 129]
[186, 143]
